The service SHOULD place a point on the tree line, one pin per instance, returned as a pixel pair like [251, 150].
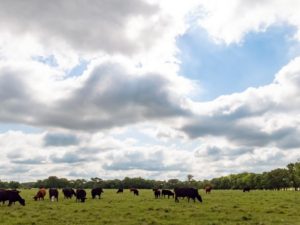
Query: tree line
[277, 179]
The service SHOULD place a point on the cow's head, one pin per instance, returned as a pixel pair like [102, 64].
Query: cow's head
[22, 201]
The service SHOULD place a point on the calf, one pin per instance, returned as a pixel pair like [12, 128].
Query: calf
[167, 192]
[187, 192]
[68, 193]
[53, 194]
[96, 192]
[11, 196]
[40, 194]
[80, 195]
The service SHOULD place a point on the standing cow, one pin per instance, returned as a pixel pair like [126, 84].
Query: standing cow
[96, 192]
[80, 195]
[156, 193]
[53, 194]
[40, 194]
[208, 189]
[187, 192]
[11, 196]
[68, 193]
[165, 192]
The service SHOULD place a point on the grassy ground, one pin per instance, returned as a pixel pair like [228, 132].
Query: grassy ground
[219, 207]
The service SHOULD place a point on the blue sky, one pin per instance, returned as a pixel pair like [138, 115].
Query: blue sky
[225, 69]
[145, 90]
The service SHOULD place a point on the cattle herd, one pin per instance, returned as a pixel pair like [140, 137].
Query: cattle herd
[13, 196]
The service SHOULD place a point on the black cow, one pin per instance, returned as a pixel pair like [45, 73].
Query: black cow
[80, 195]
[169, 193]
[120, 190]
[156, 193]
[135, 191]
[11, 196]
[53, 194]
[68, 192]
[96, 192]
[246, 189]
[187, 192]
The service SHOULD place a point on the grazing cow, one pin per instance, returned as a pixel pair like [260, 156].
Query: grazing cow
[11, 196]
[68, 192]
[187, 192]
[40, 194]
[208, 189]
[80, 195]
[96, 192]
[169, 193]
[120, 190]
[135, 191]
[246, 189]
[156, 193]
[53, 194]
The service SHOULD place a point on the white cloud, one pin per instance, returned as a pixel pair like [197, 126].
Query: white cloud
[109, 94]
[229, 21]
[257, 116]
[92, 26]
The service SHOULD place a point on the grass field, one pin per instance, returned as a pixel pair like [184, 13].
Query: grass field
[219, 207]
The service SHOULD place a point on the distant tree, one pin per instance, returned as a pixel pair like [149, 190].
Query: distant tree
[173, 183]
[294, 175]
[277, 179]
[3, 184]
[14, 184]
[189, 177]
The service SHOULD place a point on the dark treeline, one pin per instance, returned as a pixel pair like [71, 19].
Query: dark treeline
[277, 179]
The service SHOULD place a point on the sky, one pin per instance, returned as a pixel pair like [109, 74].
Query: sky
[148, 88]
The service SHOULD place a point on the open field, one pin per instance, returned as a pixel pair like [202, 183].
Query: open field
[219, 207]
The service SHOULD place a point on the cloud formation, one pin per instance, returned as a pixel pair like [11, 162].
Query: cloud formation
[127, 108]
[107, 95]
[229, 21]
[92, 26]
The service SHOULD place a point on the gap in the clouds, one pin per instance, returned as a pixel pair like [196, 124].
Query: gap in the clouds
[5, 127]
[49, 60]
[222, 69]
[78, 69]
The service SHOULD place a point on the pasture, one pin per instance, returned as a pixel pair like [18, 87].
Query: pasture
[219, 207]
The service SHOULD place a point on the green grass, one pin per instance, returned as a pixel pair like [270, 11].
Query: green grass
[219, 207]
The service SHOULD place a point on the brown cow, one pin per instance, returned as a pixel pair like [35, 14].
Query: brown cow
[40, 194]
[208, 189]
